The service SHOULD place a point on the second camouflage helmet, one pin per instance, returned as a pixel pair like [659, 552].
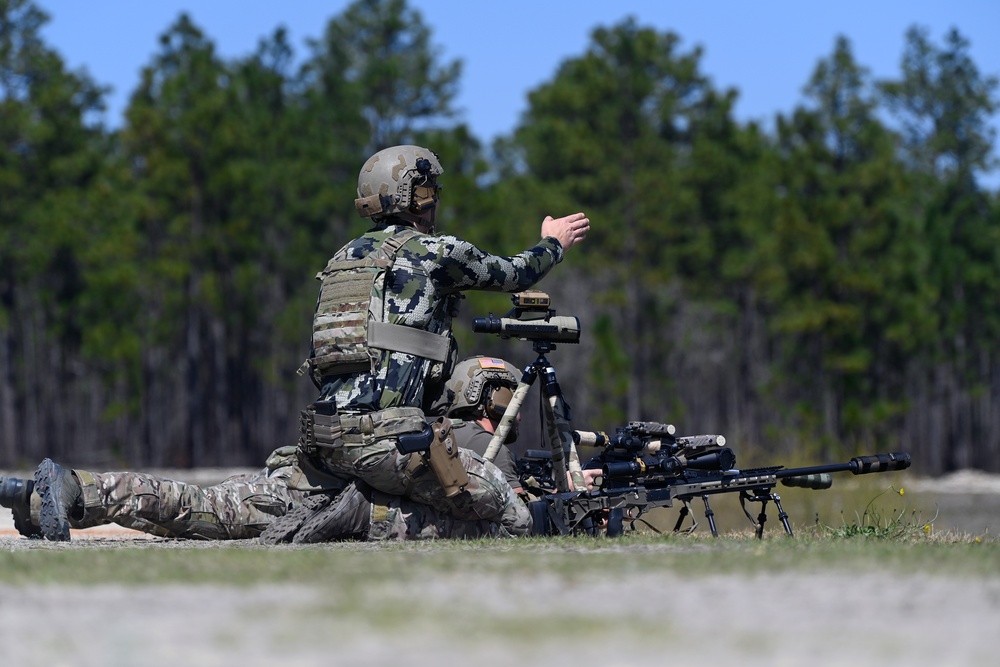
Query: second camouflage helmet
[481, 386]
[398, 181]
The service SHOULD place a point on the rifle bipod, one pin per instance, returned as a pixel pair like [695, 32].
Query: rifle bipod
[763, 498]
[756, 497]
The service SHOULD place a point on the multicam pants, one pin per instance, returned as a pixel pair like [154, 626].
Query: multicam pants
[243, 506]
[237, 508]
[488, 498]
[401, 519]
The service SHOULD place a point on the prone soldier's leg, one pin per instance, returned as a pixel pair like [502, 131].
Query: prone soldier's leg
[399, 518]
[239, 507]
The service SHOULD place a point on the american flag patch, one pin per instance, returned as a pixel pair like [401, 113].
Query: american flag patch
[487, 362]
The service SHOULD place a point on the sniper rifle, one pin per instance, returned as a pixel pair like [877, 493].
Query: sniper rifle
[645, 466]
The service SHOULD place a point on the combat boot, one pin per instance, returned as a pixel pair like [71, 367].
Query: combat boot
[348, 517]
[15, 494]
[283, 528]
[61, 497]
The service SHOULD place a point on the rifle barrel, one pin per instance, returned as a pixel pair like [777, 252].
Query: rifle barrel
[859, 465]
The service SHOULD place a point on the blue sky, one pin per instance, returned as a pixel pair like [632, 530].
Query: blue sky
[765, 49]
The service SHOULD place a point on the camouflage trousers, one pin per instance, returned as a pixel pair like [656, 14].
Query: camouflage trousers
[487, 498]
[239, 507]
[242, 506]
[395, 518]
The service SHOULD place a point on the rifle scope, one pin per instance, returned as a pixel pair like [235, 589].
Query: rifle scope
[721, 459]
[626, 441]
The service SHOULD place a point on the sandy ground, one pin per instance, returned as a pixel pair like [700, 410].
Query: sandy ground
[818, 618]
[815, 619]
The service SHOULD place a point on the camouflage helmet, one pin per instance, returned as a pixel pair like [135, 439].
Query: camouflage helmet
[482, 386]
[398, 181]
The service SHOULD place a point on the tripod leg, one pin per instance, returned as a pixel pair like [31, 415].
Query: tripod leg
[509, 416]
[557, 445]
[559, 429]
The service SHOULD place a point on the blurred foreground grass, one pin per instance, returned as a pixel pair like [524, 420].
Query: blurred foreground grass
[859, 564]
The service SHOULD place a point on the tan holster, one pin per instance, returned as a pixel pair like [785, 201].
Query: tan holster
[445, 461]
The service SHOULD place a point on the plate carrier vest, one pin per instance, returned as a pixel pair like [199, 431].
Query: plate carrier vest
[344, 328]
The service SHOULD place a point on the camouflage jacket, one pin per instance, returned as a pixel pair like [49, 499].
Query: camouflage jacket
[426, 278]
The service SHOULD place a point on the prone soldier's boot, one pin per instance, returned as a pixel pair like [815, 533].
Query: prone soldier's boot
[61, 497]
[283, 528]
[348, 517]
[15, 494]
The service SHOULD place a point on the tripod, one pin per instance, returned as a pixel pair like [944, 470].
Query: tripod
[558, 432]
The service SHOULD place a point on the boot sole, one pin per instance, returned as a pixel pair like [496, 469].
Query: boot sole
[337, 521]
[49, 485]
[20, 508]
[283, 529]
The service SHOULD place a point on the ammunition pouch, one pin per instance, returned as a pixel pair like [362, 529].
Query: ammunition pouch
[392, 422]
[320, 427]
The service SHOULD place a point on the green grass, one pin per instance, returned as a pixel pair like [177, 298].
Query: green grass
[883, 536]
[571, 559]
